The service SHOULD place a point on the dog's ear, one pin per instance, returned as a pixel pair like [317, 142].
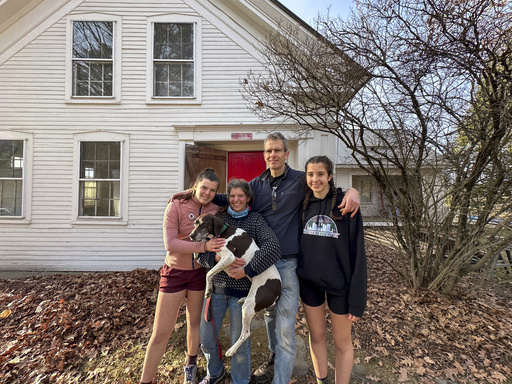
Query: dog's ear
[218, 224]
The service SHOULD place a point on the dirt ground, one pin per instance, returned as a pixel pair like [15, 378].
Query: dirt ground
[94, 327]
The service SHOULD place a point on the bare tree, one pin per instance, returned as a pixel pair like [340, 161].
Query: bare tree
[420, 92]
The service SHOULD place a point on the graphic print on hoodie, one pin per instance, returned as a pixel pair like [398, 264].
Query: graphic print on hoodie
[321, 225]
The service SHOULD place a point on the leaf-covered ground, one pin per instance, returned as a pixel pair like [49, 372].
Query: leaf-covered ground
[94, 327]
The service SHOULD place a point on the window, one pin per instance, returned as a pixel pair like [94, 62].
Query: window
[364, 185]
[92, 59]
[173, 60]
[100, 179]
[11, 177]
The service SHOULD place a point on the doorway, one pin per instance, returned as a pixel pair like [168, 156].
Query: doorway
[245, 165]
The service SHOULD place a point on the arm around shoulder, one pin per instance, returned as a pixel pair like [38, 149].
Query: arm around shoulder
[269, 251]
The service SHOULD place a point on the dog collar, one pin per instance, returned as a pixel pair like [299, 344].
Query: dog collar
[226, 225]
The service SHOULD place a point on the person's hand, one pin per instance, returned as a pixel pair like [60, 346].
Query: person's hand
[237, 273]
[352, 318]
[238, 263]
[350, 202]
[214, 245]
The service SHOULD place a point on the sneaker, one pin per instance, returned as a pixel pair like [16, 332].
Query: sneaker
[217, 380]
[190, 374]
[265, 372]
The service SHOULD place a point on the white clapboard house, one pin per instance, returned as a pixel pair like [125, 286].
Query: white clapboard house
[109, 107]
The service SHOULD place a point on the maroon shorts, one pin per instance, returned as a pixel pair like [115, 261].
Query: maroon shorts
[175, 280]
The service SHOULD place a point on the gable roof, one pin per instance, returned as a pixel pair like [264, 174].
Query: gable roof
[21, 21]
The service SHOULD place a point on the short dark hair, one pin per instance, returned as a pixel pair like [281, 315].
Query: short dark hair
[277, 136]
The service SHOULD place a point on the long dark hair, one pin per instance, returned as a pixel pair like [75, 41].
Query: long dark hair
[329, 167]
[207, 173]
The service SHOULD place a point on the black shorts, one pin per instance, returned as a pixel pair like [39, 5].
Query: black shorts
[313, 296]
[175, 280]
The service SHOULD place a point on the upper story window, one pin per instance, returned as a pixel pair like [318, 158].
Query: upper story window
[100, 178]
[93, 59]
[173, 60]
[11, 177]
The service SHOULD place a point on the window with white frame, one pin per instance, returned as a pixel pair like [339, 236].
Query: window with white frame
[93, 59]
[100, 179]
[11, 177]
[173, 60]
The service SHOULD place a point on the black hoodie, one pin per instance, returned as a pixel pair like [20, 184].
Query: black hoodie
[332, 252]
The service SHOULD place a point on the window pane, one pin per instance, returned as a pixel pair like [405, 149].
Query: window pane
[81, 89]
[81, 70]
[173, 41]
[175, 80]
[88, 150]
[92, 78]
[102, 169]
[11, 158]
[100, 198]
[188, 89]
[92, 39]
[100, 160]
[114, 170]
[188, 72]
[162, 89]
[11, 192]
[101, 150]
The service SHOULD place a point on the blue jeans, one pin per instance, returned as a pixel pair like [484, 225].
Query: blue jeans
[280, 321]
[241, 361]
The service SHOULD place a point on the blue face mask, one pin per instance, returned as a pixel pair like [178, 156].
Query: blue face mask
[237, 215]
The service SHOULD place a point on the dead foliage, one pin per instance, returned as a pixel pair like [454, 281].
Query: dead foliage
[52, 327]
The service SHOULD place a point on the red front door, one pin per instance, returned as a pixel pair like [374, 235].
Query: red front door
[245, 165]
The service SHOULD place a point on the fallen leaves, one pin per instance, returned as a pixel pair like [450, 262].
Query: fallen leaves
[51, 326]
[431, 336]
[56, 323]
[5, 314]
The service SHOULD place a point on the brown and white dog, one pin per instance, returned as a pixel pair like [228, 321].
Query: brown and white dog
[265, 287]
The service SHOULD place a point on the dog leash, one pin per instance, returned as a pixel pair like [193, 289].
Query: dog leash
[208, 317]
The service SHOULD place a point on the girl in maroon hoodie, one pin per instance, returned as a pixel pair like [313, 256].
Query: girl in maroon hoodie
[181, 276]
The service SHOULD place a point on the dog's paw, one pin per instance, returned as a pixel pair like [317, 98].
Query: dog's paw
[230, 352]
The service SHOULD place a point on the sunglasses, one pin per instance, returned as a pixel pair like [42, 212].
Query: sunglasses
[274, 198]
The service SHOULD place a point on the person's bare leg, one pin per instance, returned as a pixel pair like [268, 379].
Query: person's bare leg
[315, 317]
[194, 307]
[166, 314]
[342, 335]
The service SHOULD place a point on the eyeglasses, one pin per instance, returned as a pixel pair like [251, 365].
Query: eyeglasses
[274, 198]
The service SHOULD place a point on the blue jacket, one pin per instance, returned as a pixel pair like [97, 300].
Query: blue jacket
[285, 220]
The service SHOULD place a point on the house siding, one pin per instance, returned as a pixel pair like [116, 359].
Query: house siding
[33, 85]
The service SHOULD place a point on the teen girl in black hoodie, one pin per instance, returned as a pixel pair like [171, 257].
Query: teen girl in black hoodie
[332, 265]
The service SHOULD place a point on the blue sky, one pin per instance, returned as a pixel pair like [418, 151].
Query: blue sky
[308, 10]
